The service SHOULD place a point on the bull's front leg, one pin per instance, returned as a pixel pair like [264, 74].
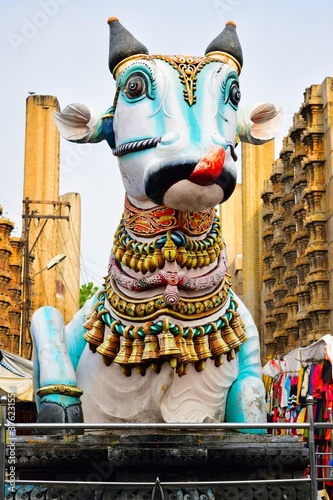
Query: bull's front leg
[57, 394]
[246, 397]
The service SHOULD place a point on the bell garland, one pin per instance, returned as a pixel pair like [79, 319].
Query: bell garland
[156, 342]
[174, 246]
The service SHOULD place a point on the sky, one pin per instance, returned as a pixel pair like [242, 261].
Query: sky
[60, 48]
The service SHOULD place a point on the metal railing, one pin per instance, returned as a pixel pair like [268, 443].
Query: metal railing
[310, 425]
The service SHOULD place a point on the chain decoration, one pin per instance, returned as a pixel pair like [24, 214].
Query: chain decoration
[174, 246]
[153, 343]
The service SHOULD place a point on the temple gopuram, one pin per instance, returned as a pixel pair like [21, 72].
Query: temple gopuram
[10, 286]
[298, 230]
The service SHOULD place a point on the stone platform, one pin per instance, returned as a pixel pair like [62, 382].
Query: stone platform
[169, 465]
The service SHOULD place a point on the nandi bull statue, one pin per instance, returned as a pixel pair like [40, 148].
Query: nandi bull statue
[165, 339]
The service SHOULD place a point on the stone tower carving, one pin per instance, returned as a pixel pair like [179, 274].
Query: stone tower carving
[298, 230]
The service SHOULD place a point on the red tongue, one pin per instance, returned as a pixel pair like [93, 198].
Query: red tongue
[209, 167]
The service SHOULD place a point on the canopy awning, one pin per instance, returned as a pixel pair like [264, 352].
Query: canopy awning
[16, 376]
[292, 362]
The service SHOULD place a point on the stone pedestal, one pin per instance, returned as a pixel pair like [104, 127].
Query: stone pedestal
[174, 465]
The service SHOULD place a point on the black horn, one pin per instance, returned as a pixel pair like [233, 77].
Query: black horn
[122, 44]
[227, 43]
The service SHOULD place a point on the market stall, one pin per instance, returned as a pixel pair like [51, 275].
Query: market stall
[289, 380]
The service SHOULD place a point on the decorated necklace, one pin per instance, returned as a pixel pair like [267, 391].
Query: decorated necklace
[144, 339]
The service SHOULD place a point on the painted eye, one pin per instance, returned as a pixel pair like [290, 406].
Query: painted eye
[135, 87]
[234, 94]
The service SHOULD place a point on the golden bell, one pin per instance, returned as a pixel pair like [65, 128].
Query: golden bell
[151, 348]
[95, 335]
[170, 249]
[237, 327]
[200, 259]
[157, 258]
[121, 249]
[205, 255]
[220, 242]
[137, 351]
[196, 255]
[190, 346]
[89, 323]
[135, 358]
[231, 355]
[180, 369]
[217, 249]
[181, 256]
[217, 344]
[126, 258]
[200, 365]
[125, 348]
[229, 336]
[126, 370]
[149, 264]
[188, 262]
[212, 255]
[168, 346]
[135, 258]
[238, 316]
[193, 260]
[185, 356]
[141, 369]
[141, 264]
[218, 361]
[110, 348]
[201, 345]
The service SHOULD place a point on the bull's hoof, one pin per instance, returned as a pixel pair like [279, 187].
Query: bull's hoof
[210, 420]
[53, 413]
[74, 414]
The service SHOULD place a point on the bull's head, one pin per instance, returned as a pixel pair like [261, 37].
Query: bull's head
[174, 123]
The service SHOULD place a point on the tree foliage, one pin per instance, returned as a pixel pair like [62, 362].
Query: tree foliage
[87, 291]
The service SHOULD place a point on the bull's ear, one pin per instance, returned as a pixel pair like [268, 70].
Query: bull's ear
[259, 123]
[107, 127]
[78, 123]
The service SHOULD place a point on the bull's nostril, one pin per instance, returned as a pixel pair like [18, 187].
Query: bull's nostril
[232, 151]
[169, 138]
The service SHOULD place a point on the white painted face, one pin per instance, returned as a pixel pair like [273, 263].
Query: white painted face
[190, 161]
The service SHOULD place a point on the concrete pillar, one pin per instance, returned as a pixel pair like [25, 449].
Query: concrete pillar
[41, 183]
[256, 168]
[68, 275]
[232, 233]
